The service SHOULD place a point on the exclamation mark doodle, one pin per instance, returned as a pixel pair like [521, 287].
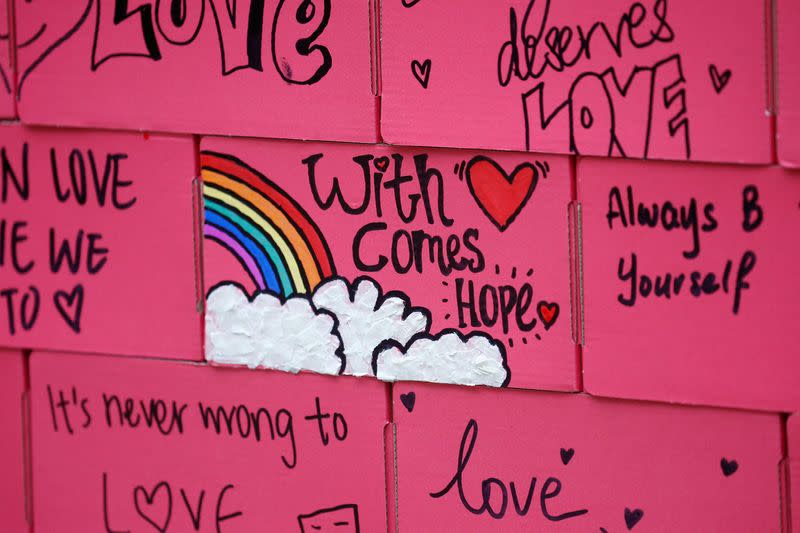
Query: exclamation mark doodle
[458, 169]
[544, 168]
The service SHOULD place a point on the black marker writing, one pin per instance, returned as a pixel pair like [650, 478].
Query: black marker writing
[550, 490]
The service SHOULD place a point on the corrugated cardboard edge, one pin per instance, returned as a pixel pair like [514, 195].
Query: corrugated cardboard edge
[375, 21]
[390, 463]
[574, 223]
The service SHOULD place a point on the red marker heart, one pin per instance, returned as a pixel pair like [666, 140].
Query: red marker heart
[501, 197]
[548, 312]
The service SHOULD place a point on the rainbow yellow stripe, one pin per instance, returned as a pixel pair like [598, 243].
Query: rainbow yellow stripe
[270, 235]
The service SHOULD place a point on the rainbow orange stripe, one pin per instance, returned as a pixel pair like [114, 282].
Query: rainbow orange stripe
[271, 236]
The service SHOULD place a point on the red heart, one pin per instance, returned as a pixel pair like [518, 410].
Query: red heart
[548, 312]
[500, 196]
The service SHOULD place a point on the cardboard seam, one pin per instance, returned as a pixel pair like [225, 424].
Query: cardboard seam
[395, 478]
[390, 476]
[574, 224]
[374, 46]
[197, 216]
[784, 496]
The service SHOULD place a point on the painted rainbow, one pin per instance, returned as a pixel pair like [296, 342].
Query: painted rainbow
[270, 235]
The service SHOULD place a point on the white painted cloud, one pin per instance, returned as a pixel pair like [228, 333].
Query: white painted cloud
[449, 357]
[267, 333]
[366, 318]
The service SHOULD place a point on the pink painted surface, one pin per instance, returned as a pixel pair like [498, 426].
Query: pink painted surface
[695, 346]
[607, 455]
[472, 93]
[220, 77]
[132, 290]
[69, 469]
[12, 482]
[7, 109]
[788, 86]
[532, 250]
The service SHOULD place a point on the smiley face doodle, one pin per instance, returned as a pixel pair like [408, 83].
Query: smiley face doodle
[339, 519]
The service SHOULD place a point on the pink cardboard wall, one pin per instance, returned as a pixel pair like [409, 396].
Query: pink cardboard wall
[678, 80]
[788, 68]
[711, 319]
[7, 109]
[486, 460]
[98, 465]
[270, 69]
[12, 482]
[356, 250]
[96, 242]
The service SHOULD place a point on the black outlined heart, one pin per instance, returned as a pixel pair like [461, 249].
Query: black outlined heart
[566, 455]
[422, 71]
[729, 468]
[70, 306]
[409, 3]
[140, 492]
[719, 80]
[548, 312]
[50, 49]
[409, 400]
[381, 163]
[632, 517]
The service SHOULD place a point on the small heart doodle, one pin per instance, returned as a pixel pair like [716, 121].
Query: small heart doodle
[409, 400]
[422, 71]
[381, 163]
[500, 196]
[719, 80]
[147, 508]
[548, 312]
[632, 517]
[70, 306]
[566, 455]
[728, 467]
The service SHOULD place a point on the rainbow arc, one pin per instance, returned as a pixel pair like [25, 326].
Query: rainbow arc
[272, 237]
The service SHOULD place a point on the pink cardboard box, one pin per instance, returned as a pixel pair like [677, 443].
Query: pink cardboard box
[140, 445]
[7, 108]
[12, 445]
[295, 69]
[405, 263]
[690, 278]
[787, 19]
[654, 79]
[97, 248]
[486, 460]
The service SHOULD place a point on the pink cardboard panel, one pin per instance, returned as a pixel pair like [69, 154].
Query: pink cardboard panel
[96, 242]
[487, 460]
[405, 263]
[138, 445]
[654, 79]
[690, 279]
[12, 482]
[787, 19]
[279, 68]
[7, 108]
